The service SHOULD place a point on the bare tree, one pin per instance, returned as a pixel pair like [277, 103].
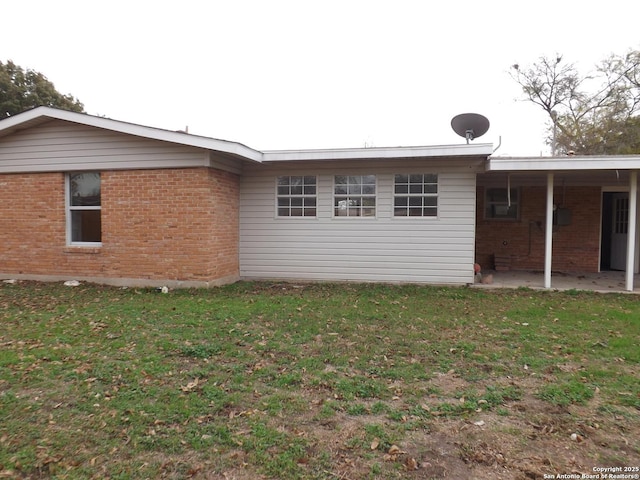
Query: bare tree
[594, 114]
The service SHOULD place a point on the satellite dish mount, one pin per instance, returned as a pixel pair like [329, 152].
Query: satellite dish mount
[470, 125]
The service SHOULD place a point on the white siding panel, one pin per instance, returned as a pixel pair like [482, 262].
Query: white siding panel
[60, 146]
[386, 248]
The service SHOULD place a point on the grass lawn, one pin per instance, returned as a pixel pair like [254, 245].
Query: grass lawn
[322, 381]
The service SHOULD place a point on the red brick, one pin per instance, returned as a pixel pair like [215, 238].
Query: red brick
[576, 247]
[174, 224]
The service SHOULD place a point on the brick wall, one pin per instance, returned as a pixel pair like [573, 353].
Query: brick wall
[174, 224]
[520, 243]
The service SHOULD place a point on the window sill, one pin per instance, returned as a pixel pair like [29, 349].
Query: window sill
[82, 250]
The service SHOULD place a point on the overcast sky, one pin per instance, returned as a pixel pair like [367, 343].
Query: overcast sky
[276, 74]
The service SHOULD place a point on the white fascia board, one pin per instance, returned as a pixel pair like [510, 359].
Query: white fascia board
[481, 149]
[550, 164]
[234, 148]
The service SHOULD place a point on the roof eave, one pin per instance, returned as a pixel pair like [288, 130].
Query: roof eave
[550, 164]
[472, 150]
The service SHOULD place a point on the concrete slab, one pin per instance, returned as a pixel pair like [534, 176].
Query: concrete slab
[603, 282]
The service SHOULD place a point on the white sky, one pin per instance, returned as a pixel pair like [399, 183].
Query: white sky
[276, 74]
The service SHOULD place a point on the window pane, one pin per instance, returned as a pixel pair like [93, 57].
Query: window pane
[369, 179]
[86, 226]
[430, 212]
[430, 201]
[85, 189]
[309, 180]
[400, 212]
[369, 189]
[283, 190]
[402, 189]
[497, 194]
[415, 178]
[296, 202]
[355, 189]
[310, 202]
[309, 190]
[283, 202]
[401, 201]
[415, 201]
[415, 188]
[340, 180]
[430, 188]
[368, 212]
[402, 178]
[283, 181]
[431, 178]
[283, 212]
[341, 202]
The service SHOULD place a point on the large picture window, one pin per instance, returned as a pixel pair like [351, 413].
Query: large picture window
[354, 196]
[297, 196]
[84, 223]
[499, 205]
[415, 195]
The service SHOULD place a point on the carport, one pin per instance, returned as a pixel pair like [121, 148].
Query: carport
[609, 173]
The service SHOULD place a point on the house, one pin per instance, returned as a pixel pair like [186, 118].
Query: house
[101, 200]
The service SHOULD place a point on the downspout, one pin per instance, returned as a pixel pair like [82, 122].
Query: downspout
[499, 145]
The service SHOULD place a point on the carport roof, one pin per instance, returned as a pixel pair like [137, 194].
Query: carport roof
[573, 162]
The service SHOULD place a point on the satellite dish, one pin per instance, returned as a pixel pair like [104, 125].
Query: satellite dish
[470, 125]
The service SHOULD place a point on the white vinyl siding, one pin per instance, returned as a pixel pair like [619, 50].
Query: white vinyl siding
[382, 248]
[65, 146]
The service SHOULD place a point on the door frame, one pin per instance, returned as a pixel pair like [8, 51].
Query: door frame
[606, 223]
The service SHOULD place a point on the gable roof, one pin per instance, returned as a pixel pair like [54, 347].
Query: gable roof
[40, 115]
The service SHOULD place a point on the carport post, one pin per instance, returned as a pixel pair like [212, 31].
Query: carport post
[548, 237]
[631, 234]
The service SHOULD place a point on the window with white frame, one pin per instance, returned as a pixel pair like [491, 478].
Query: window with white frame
[84, 223]
[297, 196]
[354, 196]
[498, 204]
[415, 195]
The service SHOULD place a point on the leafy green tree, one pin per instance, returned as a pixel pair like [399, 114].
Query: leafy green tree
[595, 114]
[22, 89]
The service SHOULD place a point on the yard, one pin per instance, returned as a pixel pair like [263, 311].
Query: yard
[316, 381]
